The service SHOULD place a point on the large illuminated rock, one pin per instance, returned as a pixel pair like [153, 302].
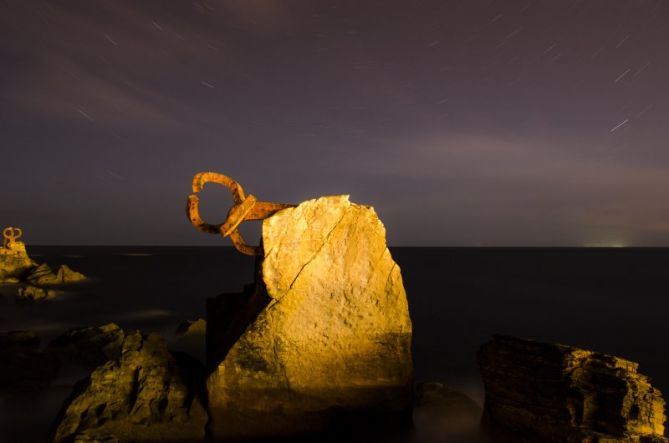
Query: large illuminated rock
[14, 262]
[325, 333]
[540, 392]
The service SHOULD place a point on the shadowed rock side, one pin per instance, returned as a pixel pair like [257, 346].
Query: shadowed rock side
[146, 394]
[90, 346]
[540, 392]
[23, 367]
[43, 275]
[192, 328]
[333, 333]
[442, 414]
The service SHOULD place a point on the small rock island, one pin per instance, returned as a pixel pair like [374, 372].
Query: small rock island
[16, 267]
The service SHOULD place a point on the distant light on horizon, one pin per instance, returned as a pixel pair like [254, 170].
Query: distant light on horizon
[612, 244]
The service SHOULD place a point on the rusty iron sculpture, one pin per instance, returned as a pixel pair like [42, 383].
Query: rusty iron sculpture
[245, 207]
[10, 235]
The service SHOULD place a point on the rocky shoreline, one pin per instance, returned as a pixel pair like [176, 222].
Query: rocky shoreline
[319, 342]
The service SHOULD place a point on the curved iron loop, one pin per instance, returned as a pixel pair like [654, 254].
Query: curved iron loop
[201, 178]
[10, 235]
[244, 208]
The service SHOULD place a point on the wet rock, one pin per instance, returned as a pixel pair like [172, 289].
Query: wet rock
[14, 262]
[441, 413]
[324, 334]
[67, 275]
[192, 327]
[89, 347]
[147, 393]
[23, 367]
[88, 437]
[23, 339]
[556, 393]
[33, 293]
[44, 275]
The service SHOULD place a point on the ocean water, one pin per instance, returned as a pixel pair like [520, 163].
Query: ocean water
[613, 300]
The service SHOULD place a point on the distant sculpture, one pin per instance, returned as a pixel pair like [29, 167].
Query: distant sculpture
[245, 207]
[10, 235]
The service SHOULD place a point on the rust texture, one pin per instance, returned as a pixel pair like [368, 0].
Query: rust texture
[245, 207]
[10, 235]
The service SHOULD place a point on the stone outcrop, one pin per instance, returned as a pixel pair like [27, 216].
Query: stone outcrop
[90, 346]
[556, 393]
[23, 367]
[31, 293]
[16, 266]
[324, 333]
[14, 263]
[146, 394]
[192, 328]
[43, 275]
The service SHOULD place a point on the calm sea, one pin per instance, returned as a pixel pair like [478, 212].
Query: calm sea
[611, 300]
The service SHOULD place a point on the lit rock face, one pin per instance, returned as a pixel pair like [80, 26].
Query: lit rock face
[332, 336]
[146, 394]
[14, 263]
[556, 393]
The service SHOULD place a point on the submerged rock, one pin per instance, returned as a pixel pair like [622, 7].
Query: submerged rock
[147, 393]
[14, 262]
[23, 367]
[556, 393]
[324, 334]
[443, 414]
[90, 346]
[192, 327]
[33, 293]
[44, 275]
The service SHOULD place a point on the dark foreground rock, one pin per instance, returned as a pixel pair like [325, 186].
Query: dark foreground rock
[90, 346]
[147, 394]
[23, 367]
[540, 392]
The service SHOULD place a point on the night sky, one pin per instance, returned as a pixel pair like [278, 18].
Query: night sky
[464, 123]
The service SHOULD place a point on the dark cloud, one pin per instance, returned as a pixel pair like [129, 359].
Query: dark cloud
[482, 122]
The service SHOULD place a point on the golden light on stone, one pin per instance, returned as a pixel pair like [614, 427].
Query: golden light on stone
[324, 331]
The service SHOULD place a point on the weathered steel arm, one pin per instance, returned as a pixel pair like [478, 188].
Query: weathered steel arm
[245, 208]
